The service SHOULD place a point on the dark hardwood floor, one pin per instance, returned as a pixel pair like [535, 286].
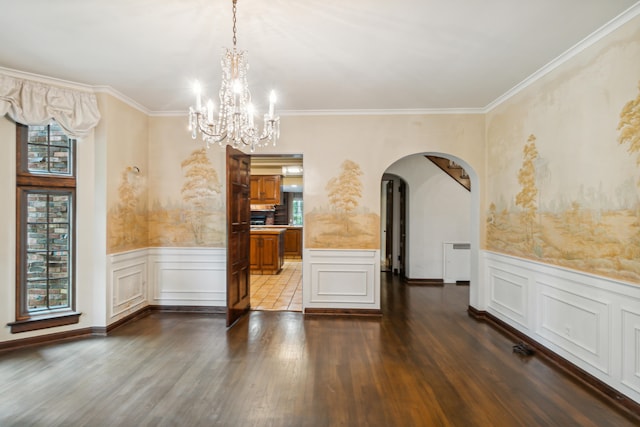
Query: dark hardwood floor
[424, 363]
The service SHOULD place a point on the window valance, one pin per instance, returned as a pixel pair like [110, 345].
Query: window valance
[34, 103]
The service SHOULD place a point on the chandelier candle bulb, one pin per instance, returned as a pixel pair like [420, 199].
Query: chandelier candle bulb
[250, 112]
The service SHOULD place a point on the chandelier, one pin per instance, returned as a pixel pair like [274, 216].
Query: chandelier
[235, 118]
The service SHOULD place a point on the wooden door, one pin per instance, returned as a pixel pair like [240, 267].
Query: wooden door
[238, 234]
[402, 189]
[388, 236]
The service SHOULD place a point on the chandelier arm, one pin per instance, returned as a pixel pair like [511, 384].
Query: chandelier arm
[204, 129]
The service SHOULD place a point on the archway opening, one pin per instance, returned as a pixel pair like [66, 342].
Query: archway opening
[442, 223]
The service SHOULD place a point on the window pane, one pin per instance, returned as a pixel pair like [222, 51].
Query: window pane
[38, 158]
[36, 266]
[59, 160]
[37, 295]
[49, 150]
[37, 207]
[59, 208]
[297, 211]
[58, 237]
[38, 135]
[57, 136]
[48, 246]
[37, 237]
[58, 293]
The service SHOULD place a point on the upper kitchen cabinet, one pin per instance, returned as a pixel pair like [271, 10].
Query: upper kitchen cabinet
[265, 189]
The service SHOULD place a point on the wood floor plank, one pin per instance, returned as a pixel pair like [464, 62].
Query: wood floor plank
[423, 363]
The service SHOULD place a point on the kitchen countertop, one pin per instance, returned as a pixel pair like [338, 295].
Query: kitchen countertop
[276, 226]
[261, 229]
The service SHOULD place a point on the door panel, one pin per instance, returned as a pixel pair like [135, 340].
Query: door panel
[402, 190]
[389, 228]
[238, 234]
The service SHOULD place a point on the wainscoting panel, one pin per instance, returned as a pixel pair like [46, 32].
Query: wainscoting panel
[188, 276]
[576, 323]
[508, 292]
[341, 279]
[591, 321]
[127, 284]
[631, 347]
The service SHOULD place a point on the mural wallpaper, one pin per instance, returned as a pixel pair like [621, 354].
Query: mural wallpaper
[193, 218]
[127, 226]
[594, 230]
[343, 223]
[197, 218]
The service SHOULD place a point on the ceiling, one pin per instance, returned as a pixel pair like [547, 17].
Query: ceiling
[318, 55]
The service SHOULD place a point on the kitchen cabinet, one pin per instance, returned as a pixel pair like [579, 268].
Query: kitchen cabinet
[266, 253]
[265, 190]
[293, 242]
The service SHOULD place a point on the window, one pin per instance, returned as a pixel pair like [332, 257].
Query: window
[297, 211]
[46, 186]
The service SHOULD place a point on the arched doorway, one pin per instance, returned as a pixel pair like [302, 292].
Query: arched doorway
[438, 212]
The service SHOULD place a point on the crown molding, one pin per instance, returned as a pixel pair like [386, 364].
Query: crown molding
[588, 41]
[122, 97]
[52, 81]
[390, 112]
[383, 112]
[178, 113]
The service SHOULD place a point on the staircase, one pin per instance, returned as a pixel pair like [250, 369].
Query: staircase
[452, 169]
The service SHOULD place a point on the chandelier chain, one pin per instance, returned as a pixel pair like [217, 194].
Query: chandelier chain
[234, 23]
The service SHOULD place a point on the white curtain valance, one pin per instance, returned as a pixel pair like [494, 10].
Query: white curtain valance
[34, 103]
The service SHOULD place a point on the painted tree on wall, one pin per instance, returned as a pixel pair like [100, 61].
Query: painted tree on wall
[345, 190]
[527, 197]
[127, 204]
[629, 126]
[199, 191]
[127, 220]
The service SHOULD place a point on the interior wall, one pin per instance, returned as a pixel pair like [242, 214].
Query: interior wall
[439, 211]
[125, 132]
[8, 229]
[563, 171]
[563, 210]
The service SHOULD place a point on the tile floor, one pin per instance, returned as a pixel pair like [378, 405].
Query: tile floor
[279, 292]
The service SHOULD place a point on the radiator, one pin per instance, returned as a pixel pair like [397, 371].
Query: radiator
[456, 262]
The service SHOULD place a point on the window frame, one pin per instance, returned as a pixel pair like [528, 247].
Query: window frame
[28, 182]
